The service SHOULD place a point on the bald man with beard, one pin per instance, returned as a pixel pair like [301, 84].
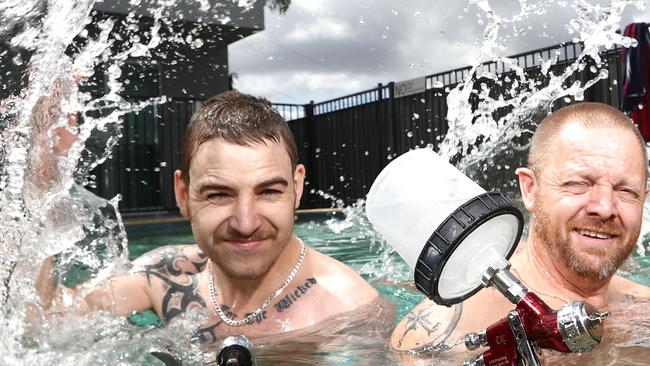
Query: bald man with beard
[584, 187]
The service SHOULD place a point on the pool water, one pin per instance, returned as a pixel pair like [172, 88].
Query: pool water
[348, 237]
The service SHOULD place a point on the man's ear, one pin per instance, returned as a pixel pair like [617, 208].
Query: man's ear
[180, 191]
[298, 183]
[527, 186]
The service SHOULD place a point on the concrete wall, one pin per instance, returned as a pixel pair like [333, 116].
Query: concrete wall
[183, 70]
[221, 12]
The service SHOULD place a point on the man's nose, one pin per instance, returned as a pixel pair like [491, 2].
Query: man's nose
[601, 203]
[245, 219]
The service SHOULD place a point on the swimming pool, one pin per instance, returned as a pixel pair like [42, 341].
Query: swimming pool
[347, 236]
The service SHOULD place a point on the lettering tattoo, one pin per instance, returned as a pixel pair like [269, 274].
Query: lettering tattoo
[209, 334]
[292, 297]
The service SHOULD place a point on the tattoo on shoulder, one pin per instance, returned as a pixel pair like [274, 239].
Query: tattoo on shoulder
[172, 261]
[294, 295]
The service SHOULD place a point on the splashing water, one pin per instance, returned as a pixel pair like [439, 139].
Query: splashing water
[45, 211]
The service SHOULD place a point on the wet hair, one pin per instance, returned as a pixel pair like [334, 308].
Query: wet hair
[589, 115]
[236, 118]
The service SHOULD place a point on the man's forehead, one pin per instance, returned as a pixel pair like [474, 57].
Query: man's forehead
[231, 158]
[576, 143]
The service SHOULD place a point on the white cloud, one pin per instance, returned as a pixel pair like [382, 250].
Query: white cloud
[308, 5]
[317, 86]
[322, 29]
[325, 49]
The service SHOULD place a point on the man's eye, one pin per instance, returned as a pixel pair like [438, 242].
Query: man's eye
[217, 196]
[628, 192]
[271, 192]
[576, 186]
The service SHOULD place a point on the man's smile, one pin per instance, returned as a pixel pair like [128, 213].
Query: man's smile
[594, 234]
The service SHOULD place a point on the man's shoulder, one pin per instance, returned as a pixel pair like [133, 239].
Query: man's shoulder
[625, 287]
[340, 281]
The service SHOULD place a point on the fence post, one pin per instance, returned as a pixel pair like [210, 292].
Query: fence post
[391, 124]
[310, 159]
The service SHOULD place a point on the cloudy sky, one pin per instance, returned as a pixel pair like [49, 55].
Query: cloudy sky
[323, 49]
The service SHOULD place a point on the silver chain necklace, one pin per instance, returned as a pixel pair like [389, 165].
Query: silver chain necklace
[246, 320]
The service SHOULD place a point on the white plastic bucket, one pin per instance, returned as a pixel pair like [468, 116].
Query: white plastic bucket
[412, 196]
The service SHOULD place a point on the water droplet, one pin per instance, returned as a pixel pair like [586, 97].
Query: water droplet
[341, 178]
[409, 134]
[416, 116]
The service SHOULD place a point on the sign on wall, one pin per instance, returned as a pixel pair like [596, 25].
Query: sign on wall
[408, 87]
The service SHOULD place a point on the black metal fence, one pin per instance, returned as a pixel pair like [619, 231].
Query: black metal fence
[141, 168]
[344, 143]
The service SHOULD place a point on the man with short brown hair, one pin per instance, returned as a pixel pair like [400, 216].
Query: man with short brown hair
[239, 185]
[584, 188]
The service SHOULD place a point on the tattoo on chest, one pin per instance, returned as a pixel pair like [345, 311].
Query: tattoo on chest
[293, 296]
[209, 334]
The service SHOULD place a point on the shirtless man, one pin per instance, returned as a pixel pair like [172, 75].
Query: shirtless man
[239, 185]
[584, 188]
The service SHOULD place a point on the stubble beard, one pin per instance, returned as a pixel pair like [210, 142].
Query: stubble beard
[255, 264]
[565, 251]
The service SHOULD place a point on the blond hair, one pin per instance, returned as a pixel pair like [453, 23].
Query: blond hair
[589, 115]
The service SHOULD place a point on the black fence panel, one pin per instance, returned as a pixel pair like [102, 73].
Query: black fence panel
[142, 164]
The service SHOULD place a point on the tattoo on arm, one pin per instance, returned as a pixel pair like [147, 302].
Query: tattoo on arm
[172, 261]
[178, 297]
[421, 320]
